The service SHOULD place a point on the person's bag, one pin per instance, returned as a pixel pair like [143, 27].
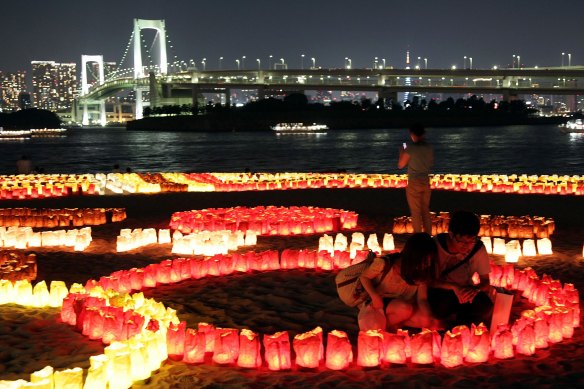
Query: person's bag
[370, 318]
[349, 287]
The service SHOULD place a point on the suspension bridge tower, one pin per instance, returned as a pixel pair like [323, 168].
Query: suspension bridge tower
[160, 27]
[98, 59]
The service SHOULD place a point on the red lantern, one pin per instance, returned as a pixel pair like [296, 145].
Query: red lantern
[93, 323]
[422, 346]
[555, 322]
[175, 340]
[395, 347]
[452, 350]
[226, 348]
[502, 342]
[289, 259]
[209, 331]
[479, 344]
[369, 348]
[526, 340]
[249, 350]
[339, 352]
[195, 345]
[308, 348]
[277, 351]
[465, 336]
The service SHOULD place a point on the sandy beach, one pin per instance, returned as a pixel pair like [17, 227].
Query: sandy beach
[292, 300]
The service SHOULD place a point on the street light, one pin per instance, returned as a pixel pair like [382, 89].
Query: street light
[519, 61]
[563, 59]
[204, 63]
[301, 61]
[259, 63]
[220, 61]
[270, 62]
[470, 59]
[243, 62]
[569, 59]
[464, 62]
[375, 63]
[313, 62]
[237, 62]
[383, 60]
[425, 63]
[348, 63]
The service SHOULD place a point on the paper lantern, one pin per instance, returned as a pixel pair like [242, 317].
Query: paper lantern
[373, 243]
[452, 350]
[139, 360]
[422, 347]
[488, 244]
[43, 377]
[512, 251]
[249, 350]
[541, 331]
[194, 348]
[98, 373]
[175, 340]
[358, 239]
[388, 243]
[395, 347]
[325, 243]
[544, 246]
[502, 343]
[339, 352]
[277, 351]
[369, 348]
[478, 345]
[226, 347]
[308, 348]
[526, 340]
[70, 378]
[340, 243]
[529, 248]
[499, 246]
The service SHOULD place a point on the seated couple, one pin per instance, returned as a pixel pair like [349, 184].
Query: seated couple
[431, 282]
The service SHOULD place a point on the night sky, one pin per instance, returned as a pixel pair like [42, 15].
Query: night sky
[329, 30]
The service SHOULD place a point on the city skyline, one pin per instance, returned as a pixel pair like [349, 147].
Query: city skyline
[335, 34]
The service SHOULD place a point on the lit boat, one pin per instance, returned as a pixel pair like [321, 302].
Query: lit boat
[32, 133]
[571, 126]
[14, 134]
[300, 128]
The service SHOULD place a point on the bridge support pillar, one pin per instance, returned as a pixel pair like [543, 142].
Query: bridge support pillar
[102, 116]
[228, 97]
[139, 103]
[509, 95]
[85, 119]
[261, 93]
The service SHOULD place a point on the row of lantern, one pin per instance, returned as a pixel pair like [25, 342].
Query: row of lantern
[25, 237]
[341, 243]
[524, 227]
[269, 220]
[46, 185]
[512, 249]
[50, 218]
[130, 239]
[16, 265]
[22, 292]
[210, 243]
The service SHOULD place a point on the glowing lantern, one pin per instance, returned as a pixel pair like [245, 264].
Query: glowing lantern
[226, 348]
[373, 243]
[369, 348]
[388, 243]
[40, 295]
[452, 349]
[98, 373]
[499, 246]
[277, 351]
[395, 347]
[22, 292]
[175, 340]
[308, 348]
[526, 340]
[488, 244]
[325, 243]
[512, 251]
[194, 348]
[478, 345]
[541, 330]
[358, 239]
[70, 378]
[43, 377]
[339, 352]
[164, 236]
[422, 347]
[121, 365]
[209, 331]
[529, 248]
[341, 243]
[464, 332]
[544, 246]
[249, 350]
[93, 323]
[502, 343]
[324, 260]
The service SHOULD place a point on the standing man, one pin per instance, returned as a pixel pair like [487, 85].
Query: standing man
[419, 159]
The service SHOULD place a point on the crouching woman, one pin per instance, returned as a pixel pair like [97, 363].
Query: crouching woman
[401, 294]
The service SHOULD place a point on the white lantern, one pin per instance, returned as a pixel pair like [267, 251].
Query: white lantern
[512, 251]
[529, 248]
[388, 243]
[544, 246]
[341, 243]
[488, 244]
[326, 243]
[358, 239]
[499, 246]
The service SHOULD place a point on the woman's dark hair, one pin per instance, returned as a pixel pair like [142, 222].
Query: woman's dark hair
[417, 129]
[464, 223]
[418, 259]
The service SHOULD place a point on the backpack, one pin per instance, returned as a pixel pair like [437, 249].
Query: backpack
[349, 287]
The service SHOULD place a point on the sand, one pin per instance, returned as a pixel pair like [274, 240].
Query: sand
[293, 300]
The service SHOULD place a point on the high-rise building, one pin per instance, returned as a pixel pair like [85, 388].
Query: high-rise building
[11, 85]
[54, 85]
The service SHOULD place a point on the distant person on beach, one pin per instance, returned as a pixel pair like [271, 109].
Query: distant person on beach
[116, 168]
[402, 292]
[459, 297]
[418, 157]
[24, 165]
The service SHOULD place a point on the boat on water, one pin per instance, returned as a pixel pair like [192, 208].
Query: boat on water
[573, 126]
[32, 133]
[300, 129]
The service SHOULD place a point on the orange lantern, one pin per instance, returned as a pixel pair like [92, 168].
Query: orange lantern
[339, 352]
[464, 332]
[526, 340]
[369, 348]
[209, 331]
[395, 347]
[452, 349]
[479, 344]
[195, 345]
[502, 342]
[277, 351]
[226, 347]
[249, 350]
[308, 348]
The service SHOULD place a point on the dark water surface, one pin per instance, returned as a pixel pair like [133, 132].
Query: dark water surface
[477, 150]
